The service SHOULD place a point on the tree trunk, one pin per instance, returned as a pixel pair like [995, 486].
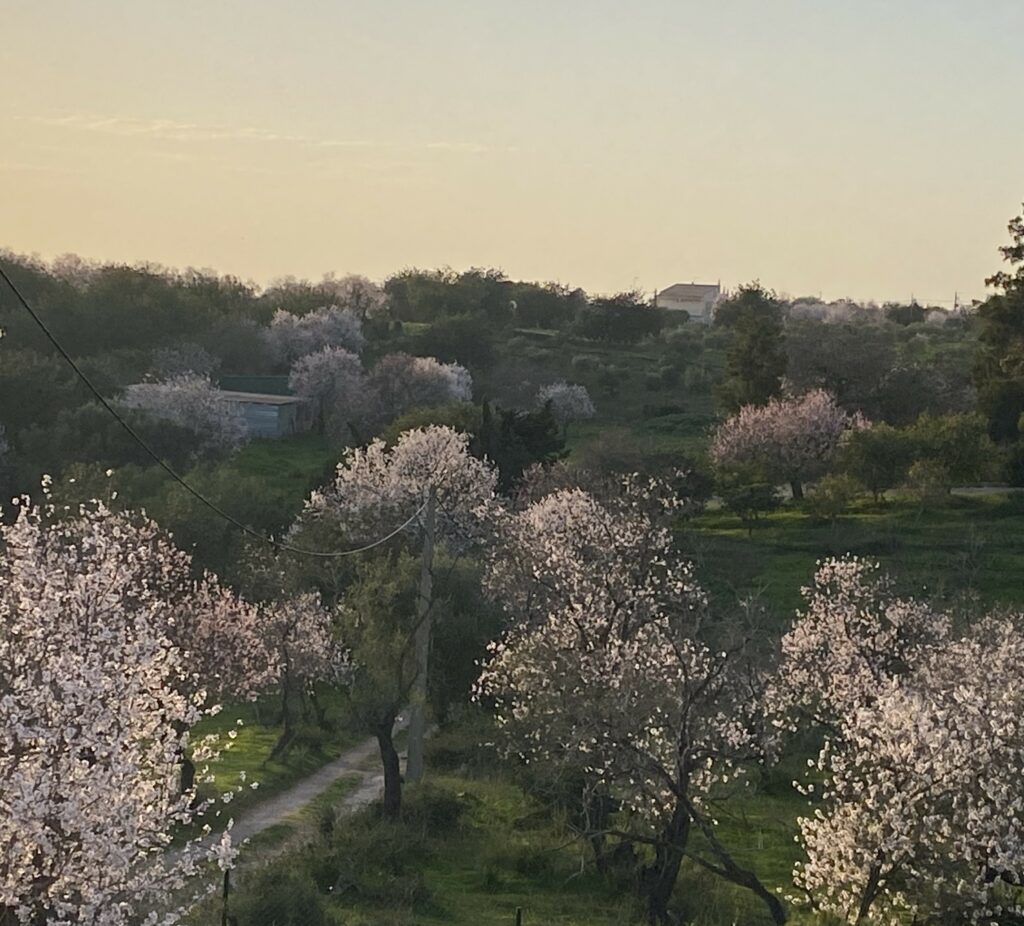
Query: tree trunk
[741, 876]
[188, 774]
[392, 770]
[287, 728]
[798, 489]
[658, 880]
[596, 809]
[187, 778]
[870, 891]
[319, 708]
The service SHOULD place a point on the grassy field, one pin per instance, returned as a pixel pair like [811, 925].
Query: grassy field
[292, 465]
[971, 545]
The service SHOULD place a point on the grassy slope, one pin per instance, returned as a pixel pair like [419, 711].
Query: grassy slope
[966, 544]
[505, 852]
[291, 466]
[644, 412]
[505, 856]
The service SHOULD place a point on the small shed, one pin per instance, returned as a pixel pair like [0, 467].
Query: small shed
[267, 415]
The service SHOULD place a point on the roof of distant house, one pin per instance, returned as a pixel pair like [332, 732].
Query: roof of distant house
[260, 398]
[690, 292]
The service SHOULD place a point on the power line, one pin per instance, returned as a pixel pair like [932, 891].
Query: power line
[195, 493]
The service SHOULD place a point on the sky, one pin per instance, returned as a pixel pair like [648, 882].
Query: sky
[870, 149]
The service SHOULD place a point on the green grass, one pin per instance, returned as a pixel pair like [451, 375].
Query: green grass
[249, 751]
[503, 853]
[291, 465]
[509, 854]
[502, 850]
[967, 544]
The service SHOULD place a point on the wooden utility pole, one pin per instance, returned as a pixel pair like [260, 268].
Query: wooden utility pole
[418, 705]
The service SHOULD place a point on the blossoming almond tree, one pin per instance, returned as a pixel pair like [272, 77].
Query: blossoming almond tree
[612, 669]
[95, 704]
[379, 485]
[791, 438]
[400, 382]
[921, 813]
[568, 543]
[193, 402]
[334, 378]
[569, 402]
[290, 337]
[299, 633]
[358, 294]
[430, 480]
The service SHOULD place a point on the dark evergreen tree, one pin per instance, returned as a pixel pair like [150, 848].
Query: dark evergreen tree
[999, 363]
[514, 440]
[755, 361]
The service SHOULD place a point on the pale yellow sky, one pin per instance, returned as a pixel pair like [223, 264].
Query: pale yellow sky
[869, 149]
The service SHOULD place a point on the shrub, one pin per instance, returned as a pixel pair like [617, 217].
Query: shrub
[433, 810]
[608, 379]
[464, 339]
[697, 380]
[1013, 467]
[958, 443]
[670, 376]
[373, 860]
[685, 343]
[462, 416]
[832, 496]
[929, 482]
[279, 897]
[745, 494]
[878, 457]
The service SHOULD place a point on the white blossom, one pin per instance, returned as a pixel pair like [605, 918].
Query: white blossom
[290, 337]
[921, 814]
[190, 401]
[569, 401]
[96, 701]
[334, 378]
[609, 668]
[400, 382]
[379, 485]
[791, 439]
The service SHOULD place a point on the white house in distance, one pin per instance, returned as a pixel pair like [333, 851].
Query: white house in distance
[698, 300]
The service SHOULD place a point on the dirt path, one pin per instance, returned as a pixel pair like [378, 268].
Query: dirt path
[359, 761]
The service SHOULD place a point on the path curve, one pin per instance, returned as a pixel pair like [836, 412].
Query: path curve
[356, 761]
